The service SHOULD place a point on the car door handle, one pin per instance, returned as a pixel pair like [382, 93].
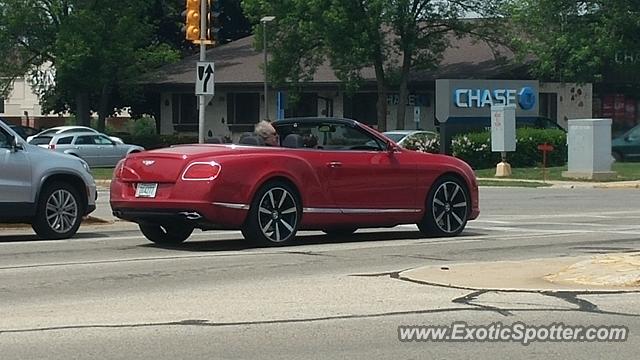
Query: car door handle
[334, 164]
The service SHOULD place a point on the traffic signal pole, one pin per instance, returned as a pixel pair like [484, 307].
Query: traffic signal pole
[203, 56]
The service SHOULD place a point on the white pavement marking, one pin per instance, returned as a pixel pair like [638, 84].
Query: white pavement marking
[599, 214]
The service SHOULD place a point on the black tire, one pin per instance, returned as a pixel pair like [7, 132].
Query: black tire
[340, 231]
[617, 156]
[59, 212]
[166, 234]
[274, 215]
[447, 208]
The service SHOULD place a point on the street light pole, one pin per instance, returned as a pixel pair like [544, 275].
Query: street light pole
[264, 21]
[203, 56]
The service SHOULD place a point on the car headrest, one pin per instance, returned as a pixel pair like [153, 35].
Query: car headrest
[252, 140]
[214, 140]
[293, 141]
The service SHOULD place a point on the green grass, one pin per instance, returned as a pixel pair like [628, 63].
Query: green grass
[510, 183]
[626, 171]
[102, 173]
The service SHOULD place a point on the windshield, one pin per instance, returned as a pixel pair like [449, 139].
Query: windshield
[395, 136]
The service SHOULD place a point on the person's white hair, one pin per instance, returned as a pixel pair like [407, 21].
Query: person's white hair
[263, 129]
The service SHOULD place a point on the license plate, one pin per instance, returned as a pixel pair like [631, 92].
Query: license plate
[147, 190]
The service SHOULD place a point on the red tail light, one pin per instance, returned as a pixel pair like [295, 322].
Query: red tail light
[52, 146]
[202, 171]
[117, 171]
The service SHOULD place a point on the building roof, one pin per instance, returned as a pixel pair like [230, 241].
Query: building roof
[238, 63]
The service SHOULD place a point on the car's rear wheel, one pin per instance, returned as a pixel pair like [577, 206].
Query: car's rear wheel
[447, 208]
[274, 215]
[340, 231]
[166, 234]
[59, 212]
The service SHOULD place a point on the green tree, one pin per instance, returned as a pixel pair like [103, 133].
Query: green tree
[98, 50]
[393, 37]
[573, 40]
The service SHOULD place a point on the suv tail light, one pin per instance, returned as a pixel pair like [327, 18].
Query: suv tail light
[52, 146]
[202, 171]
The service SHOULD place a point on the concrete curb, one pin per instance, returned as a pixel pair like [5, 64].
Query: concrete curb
[609, 272]
[634, 184]
[89, 220]
[103, 183]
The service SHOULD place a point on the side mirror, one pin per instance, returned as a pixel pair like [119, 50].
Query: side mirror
[392, 147]
[15, 144]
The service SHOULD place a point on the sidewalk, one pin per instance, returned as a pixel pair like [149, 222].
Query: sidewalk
[568, 184]
[608, 272]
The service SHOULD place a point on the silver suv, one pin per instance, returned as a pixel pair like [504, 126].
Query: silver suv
[52, 191]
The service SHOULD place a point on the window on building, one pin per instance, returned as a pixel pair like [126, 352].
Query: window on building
[549, 105]
[305, 107]
[1, 105]
[243, 109]
[362, 107]
[185, 112]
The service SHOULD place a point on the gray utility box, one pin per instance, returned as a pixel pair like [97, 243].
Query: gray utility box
[589, 143]
[503, 128]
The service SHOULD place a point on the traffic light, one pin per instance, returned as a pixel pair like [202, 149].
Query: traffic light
[214, 19]
[192, 20]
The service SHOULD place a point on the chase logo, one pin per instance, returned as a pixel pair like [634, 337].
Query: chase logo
[526, 98]
[480, 98]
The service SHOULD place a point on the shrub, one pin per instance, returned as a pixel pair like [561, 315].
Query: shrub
[144, 126]
[475, 148]
[422, 144]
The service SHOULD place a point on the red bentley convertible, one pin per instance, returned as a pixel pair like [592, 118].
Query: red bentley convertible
[334, 175]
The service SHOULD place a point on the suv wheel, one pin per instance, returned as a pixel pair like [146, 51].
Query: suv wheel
[59, 212]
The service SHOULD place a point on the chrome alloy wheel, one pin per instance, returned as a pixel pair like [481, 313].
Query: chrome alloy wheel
[449, 207]
[61, 211]
[277, 214]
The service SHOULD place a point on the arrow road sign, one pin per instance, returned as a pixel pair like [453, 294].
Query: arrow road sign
[205, 76]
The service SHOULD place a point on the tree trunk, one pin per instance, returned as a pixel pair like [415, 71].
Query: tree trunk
[82, 109]
[102, 108]
[402, 102]
[381, 104]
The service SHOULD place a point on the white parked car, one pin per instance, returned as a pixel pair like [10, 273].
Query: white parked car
[71, 129]
[97, 149]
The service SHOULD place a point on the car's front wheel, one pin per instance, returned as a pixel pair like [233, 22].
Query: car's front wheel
[59, 212]
[447, 208]
[166, 234]
[274, 215]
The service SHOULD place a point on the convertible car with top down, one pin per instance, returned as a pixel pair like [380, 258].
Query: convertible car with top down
[329, 174]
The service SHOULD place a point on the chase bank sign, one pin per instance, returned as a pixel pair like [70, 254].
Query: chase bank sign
[525, 98]
[474, 98]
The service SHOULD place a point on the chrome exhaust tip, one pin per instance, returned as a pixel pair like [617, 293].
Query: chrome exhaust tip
[191, 215]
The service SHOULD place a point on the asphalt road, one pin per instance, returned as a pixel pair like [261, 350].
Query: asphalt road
[110, 294]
